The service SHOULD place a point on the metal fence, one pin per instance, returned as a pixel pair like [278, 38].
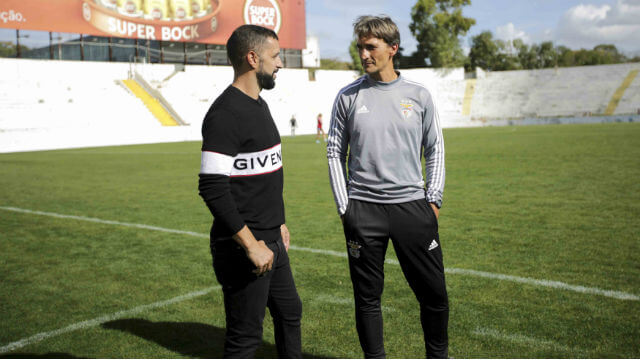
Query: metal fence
[64, 46]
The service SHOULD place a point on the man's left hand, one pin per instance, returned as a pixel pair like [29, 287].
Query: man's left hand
[435, 210]
[286, 237]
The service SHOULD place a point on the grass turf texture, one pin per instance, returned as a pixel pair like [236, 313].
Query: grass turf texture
[547, 202]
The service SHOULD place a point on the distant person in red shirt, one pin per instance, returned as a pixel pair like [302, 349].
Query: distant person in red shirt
[320, 131]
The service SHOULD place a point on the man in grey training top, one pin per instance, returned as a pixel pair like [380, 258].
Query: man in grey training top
[386, 123]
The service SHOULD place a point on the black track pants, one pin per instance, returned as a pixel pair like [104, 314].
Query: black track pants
[413, 229]
[246, 296]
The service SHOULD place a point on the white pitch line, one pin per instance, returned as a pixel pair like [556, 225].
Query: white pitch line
[345, 301]
[519, 279]
[546, 283]
[101, 221]
[333, 299]
[530, 341]
[97, 321]
[319, 251]
[89, 152]
[488, 275]
[102, 319]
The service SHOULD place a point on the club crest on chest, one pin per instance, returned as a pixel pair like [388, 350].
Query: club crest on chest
[406, 108]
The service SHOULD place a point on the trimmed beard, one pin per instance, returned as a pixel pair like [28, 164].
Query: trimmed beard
[265, 80]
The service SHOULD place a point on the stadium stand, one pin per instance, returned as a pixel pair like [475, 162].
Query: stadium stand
[629, 95]
[327, 82]
[447, 86]
[574, 91]
[66, 104]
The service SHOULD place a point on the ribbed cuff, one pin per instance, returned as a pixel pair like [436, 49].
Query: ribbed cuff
[437, 202]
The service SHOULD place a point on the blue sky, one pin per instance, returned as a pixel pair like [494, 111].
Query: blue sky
[573, 23]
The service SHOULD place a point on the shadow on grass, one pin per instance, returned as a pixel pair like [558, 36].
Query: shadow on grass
[190, 339]
[52, 355]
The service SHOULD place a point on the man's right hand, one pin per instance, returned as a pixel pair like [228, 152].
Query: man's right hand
[257, 251]
[261, 257]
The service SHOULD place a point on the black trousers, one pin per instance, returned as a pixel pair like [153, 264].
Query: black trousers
[413, 229]
[246, 296]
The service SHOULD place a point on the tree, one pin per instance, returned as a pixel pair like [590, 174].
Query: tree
[566, 56]
[505, 58]
[355, 56]
[526, 55]
[401, 61]
[585, 57]
[547, 55]
[483, 51]
[608, 54]
[437, 26]
[9, 49]
[493, 55]
[335, 64]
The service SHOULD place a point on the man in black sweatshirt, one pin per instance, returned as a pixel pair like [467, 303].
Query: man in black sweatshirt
[241, 182]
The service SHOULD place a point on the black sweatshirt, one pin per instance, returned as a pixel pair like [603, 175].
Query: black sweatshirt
[241, 175]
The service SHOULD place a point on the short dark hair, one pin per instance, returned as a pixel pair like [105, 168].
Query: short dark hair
[381, 27]
[244, 39]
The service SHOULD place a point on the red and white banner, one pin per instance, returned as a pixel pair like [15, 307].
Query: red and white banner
[203, 21]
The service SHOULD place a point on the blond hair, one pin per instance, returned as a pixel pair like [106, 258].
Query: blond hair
[381, 27]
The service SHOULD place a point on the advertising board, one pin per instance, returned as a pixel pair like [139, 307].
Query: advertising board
[202, 21]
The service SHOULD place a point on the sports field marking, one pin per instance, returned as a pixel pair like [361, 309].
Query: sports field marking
[523, 280]
[530, 341]
[344, 301]
[101, 221]
[90, 152]
[102, 319]
[546, 283]
[488, 275]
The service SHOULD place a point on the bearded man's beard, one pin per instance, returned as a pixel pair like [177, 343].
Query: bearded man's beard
[265, 80]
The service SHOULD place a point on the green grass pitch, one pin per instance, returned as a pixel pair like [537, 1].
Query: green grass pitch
[550, 203]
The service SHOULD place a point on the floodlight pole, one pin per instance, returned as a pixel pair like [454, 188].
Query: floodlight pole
[18, 43]
[81, 48]
[50, 45]
[110, 50]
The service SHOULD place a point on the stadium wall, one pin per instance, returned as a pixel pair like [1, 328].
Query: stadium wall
[559, 92]
[67, 104]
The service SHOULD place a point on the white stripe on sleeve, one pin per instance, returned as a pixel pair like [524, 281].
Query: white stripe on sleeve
[337, 146]
[214, 163]
[434, 164]
[338, 184]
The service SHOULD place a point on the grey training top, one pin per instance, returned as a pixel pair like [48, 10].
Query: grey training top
[386, 127]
